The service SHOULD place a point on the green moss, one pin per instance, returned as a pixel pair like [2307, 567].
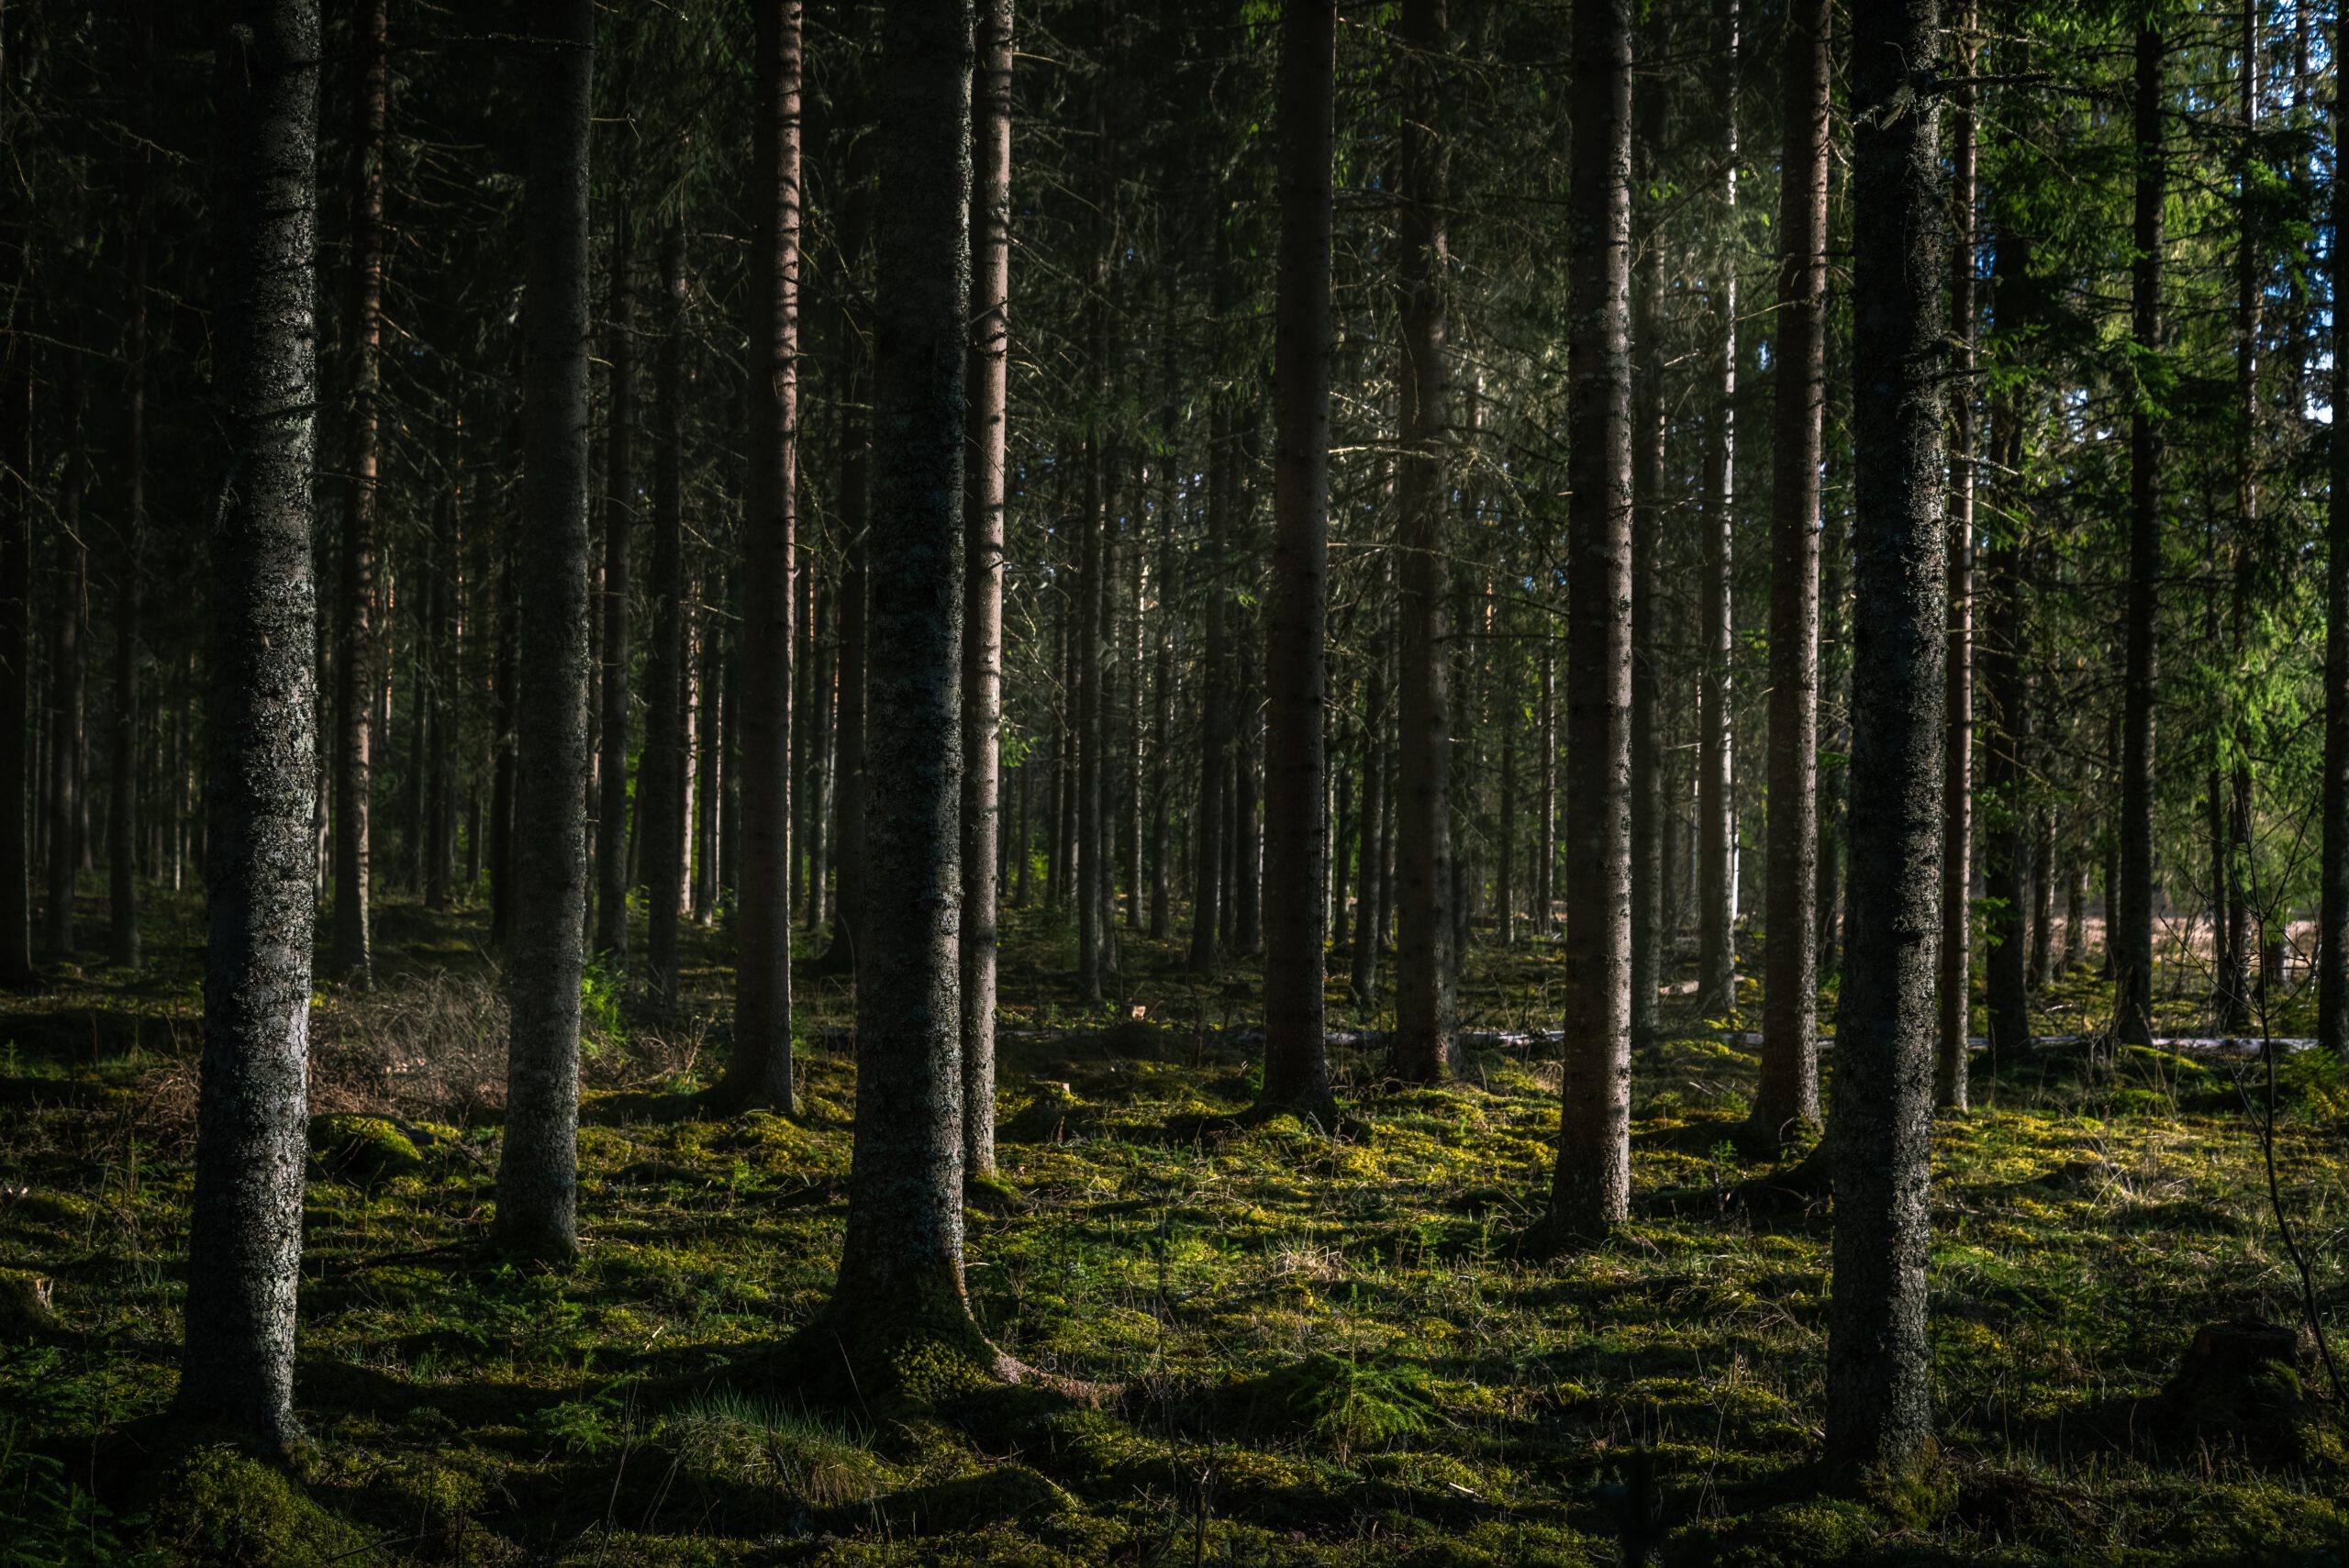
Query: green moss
[1792, 1535]
[217, 1507]
[363, 1148]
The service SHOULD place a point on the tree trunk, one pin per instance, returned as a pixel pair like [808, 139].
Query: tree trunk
[850, 863]
[2005, 853]
[355, 663]
[1880, 1413]
[2131, 932]
[537, 1184]
[760, 1068]
[661, 775]
[1423, 1048]
[1950, 1054]
[1788, 1093]
[1716, 790]
[244, 1248]
[67, 680]
[1370, 920]
[901, 1260]
[122, 799]
[987, 381]
[1296, 1068]
[1650, 934]
[17, 972]
[619, 518]
[2234, 978]
[1208, 913]
[2333, 873]
[1593, 1187]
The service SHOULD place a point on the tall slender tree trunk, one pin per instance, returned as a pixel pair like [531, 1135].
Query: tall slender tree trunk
[2006, 851]
[1423, 1047]
[1879, 1410]
[244, 1247]
[536, 1172]
[1370, 920]
[901, 1260]
[987, 392]
[1788, 1093]
[16, 970]
[620, 519]
[68, 679]
[661, 775]
[1650, 934]
[849, 864]
[760, 1069]
[355, 663]
[122, 798]
[1950, 1086]
[1716, 769]
[1297, 1068]
[1208, 913]
[1593, 1188]
[2333, 873]
[2130, 933]
[2251, 546]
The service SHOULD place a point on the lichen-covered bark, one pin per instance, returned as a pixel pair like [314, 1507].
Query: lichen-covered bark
[245, 1230]
[1788, 1093]
[538, 1169]
[1593, 1186]
[987, 376]
[760, 1069]
[1296, 1068]
[1424, 951]
[1878, 1367]
[901, 1259]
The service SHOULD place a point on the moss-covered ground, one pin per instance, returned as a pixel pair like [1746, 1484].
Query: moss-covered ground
[1319, 1345]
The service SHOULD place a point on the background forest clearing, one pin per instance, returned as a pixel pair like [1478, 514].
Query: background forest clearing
[1325, 1348]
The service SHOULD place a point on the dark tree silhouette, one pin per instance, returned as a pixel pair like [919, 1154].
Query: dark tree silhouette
[760, 1069]
[1878, 1367]
[538, 1168]
[1593, 1188]
[1297, 1068]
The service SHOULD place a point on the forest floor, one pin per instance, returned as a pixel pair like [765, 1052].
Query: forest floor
[1322, 1347]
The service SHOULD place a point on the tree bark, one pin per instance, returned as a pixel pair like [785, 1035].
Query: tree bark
[1878, 1365]
[1423, 1048]
[2131, 934]
[620, 519]
[849, 770]
[68, 679]
[901, 1259]
[2005, 853]
[661, 775]
[760, 1068]
[1788, 1092]
[122, 798]
[537, 1173]
[987, 392]
[1716, 772]
[355, 662]
[1650, 935]
[1296, 1068]
[16, 973]
[1215, 724]
[1593, 1186]
[245, 1228]
[1951, 1055]
[2332, 873]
